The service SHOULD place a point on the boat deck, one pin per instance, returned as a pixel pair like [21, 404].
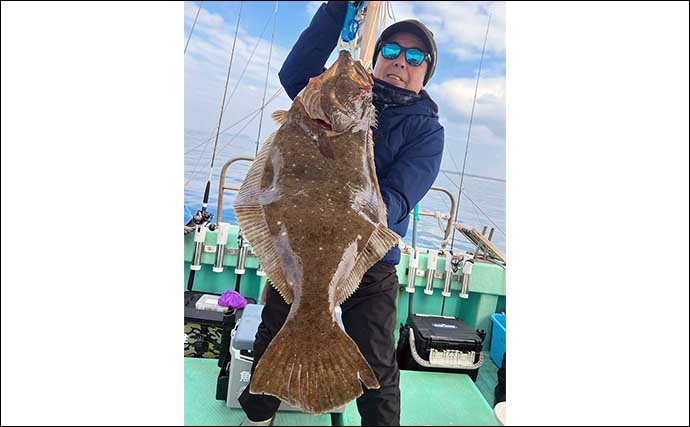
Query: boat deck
[427, 398]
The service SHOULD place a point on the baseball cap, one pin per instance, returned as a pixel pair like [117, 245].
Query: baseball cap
[418, 29]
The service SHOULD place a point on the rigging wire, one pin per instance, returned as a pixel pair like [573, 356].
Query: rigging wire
[268, 69]
[227, 143]
[391, 13]
[239, 80]
[465, 194]
[469, 130]
[220, 118]
[193, 25]
[273, 97]
[222, 104]
[485, 214]
[258, 41]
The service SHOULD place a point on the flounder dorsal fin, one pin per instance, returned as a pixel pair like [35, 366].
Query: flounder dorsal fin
[280, 116]
[379, 243]
[252, 221]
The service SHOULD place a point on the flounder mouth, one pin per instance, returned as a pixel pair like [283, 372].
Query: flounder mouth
[323, 124]
[320, 123]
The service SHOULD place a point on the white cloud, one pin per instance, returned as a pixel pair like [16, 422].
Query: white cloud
[459, 27]
[491, 94]
[455, 98]
[206, 66]
[205, 18]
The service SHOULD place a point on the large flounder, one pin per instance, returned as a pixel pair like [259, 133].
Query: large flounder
[311, 207]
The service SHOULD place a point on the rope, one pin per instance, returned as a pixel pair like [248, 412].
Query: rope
[192, 30]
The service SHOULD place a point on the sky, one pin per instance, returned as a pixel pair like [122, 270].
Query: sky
[459, 29]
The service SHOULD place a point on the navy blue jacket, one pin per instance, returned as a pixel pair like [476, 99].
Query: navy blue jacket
[408, 142]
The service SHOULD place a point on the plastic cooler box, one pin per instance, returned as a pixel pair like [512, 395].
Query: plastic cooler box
[498, 338]
[241, 346]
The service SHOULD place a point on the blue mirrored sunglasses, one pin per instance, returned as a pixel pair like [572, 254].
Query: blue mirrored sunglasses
[413, 56]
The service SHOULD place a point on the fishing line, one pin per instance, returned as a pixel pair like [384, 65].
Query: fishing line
[469, 130]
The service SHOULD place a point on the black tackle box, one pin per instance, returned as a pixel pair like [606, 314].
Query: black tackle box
[442, 344]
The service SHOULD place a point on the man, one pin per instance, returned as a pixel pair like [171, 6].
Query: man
[408, 146]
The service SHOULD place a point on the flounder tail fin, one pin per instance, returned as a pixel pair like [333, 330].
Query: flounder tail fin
[317, 379]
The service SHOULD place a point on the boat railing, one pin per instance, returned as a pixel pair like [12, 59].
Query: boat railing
[222, 188]
[221, 184]
[448, 217]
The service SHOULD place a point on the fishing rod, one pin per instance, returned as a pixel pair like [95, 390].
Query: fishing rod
[413, 263]
[469, 130]
[202, 218]
[453, 264]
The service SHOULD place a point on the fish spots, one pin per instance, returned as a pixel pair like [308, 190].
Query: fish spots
[359, 237]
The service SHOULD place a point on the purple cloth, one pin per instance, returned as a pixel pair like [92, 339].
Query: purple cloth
[232, 299]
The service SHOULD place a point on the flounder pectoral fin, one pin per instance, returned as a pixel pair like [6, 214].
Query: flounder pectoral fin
[379, 243]
[252, 222]
[280, 116]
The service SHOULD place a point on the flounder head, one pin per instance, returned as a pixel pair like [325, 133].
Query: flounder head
[340, 98]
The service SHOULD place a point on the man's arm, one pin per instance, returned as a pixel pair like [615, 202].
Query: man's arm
[412, 175]
[311, 51]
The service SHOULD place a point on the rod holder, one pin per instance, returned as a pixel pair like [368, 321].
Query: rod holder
[199, 238]
[241, 255]
[221, 241]
[430, 271]
[260, 271]
[449, 274]
[466, 273]
[412, 271]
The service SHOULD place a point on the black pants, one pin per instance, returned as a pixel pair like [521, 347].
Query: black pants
[369, 318]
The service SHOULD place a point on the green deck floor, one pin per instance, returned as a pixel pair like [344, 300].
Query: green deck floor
[487, 378]
[427, 398]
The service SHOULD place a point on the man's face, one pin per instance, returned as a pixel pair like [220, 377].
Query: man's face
[397, 71]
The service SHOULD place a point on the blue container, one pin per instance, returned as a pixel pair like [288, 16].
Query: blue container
[498, 338]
